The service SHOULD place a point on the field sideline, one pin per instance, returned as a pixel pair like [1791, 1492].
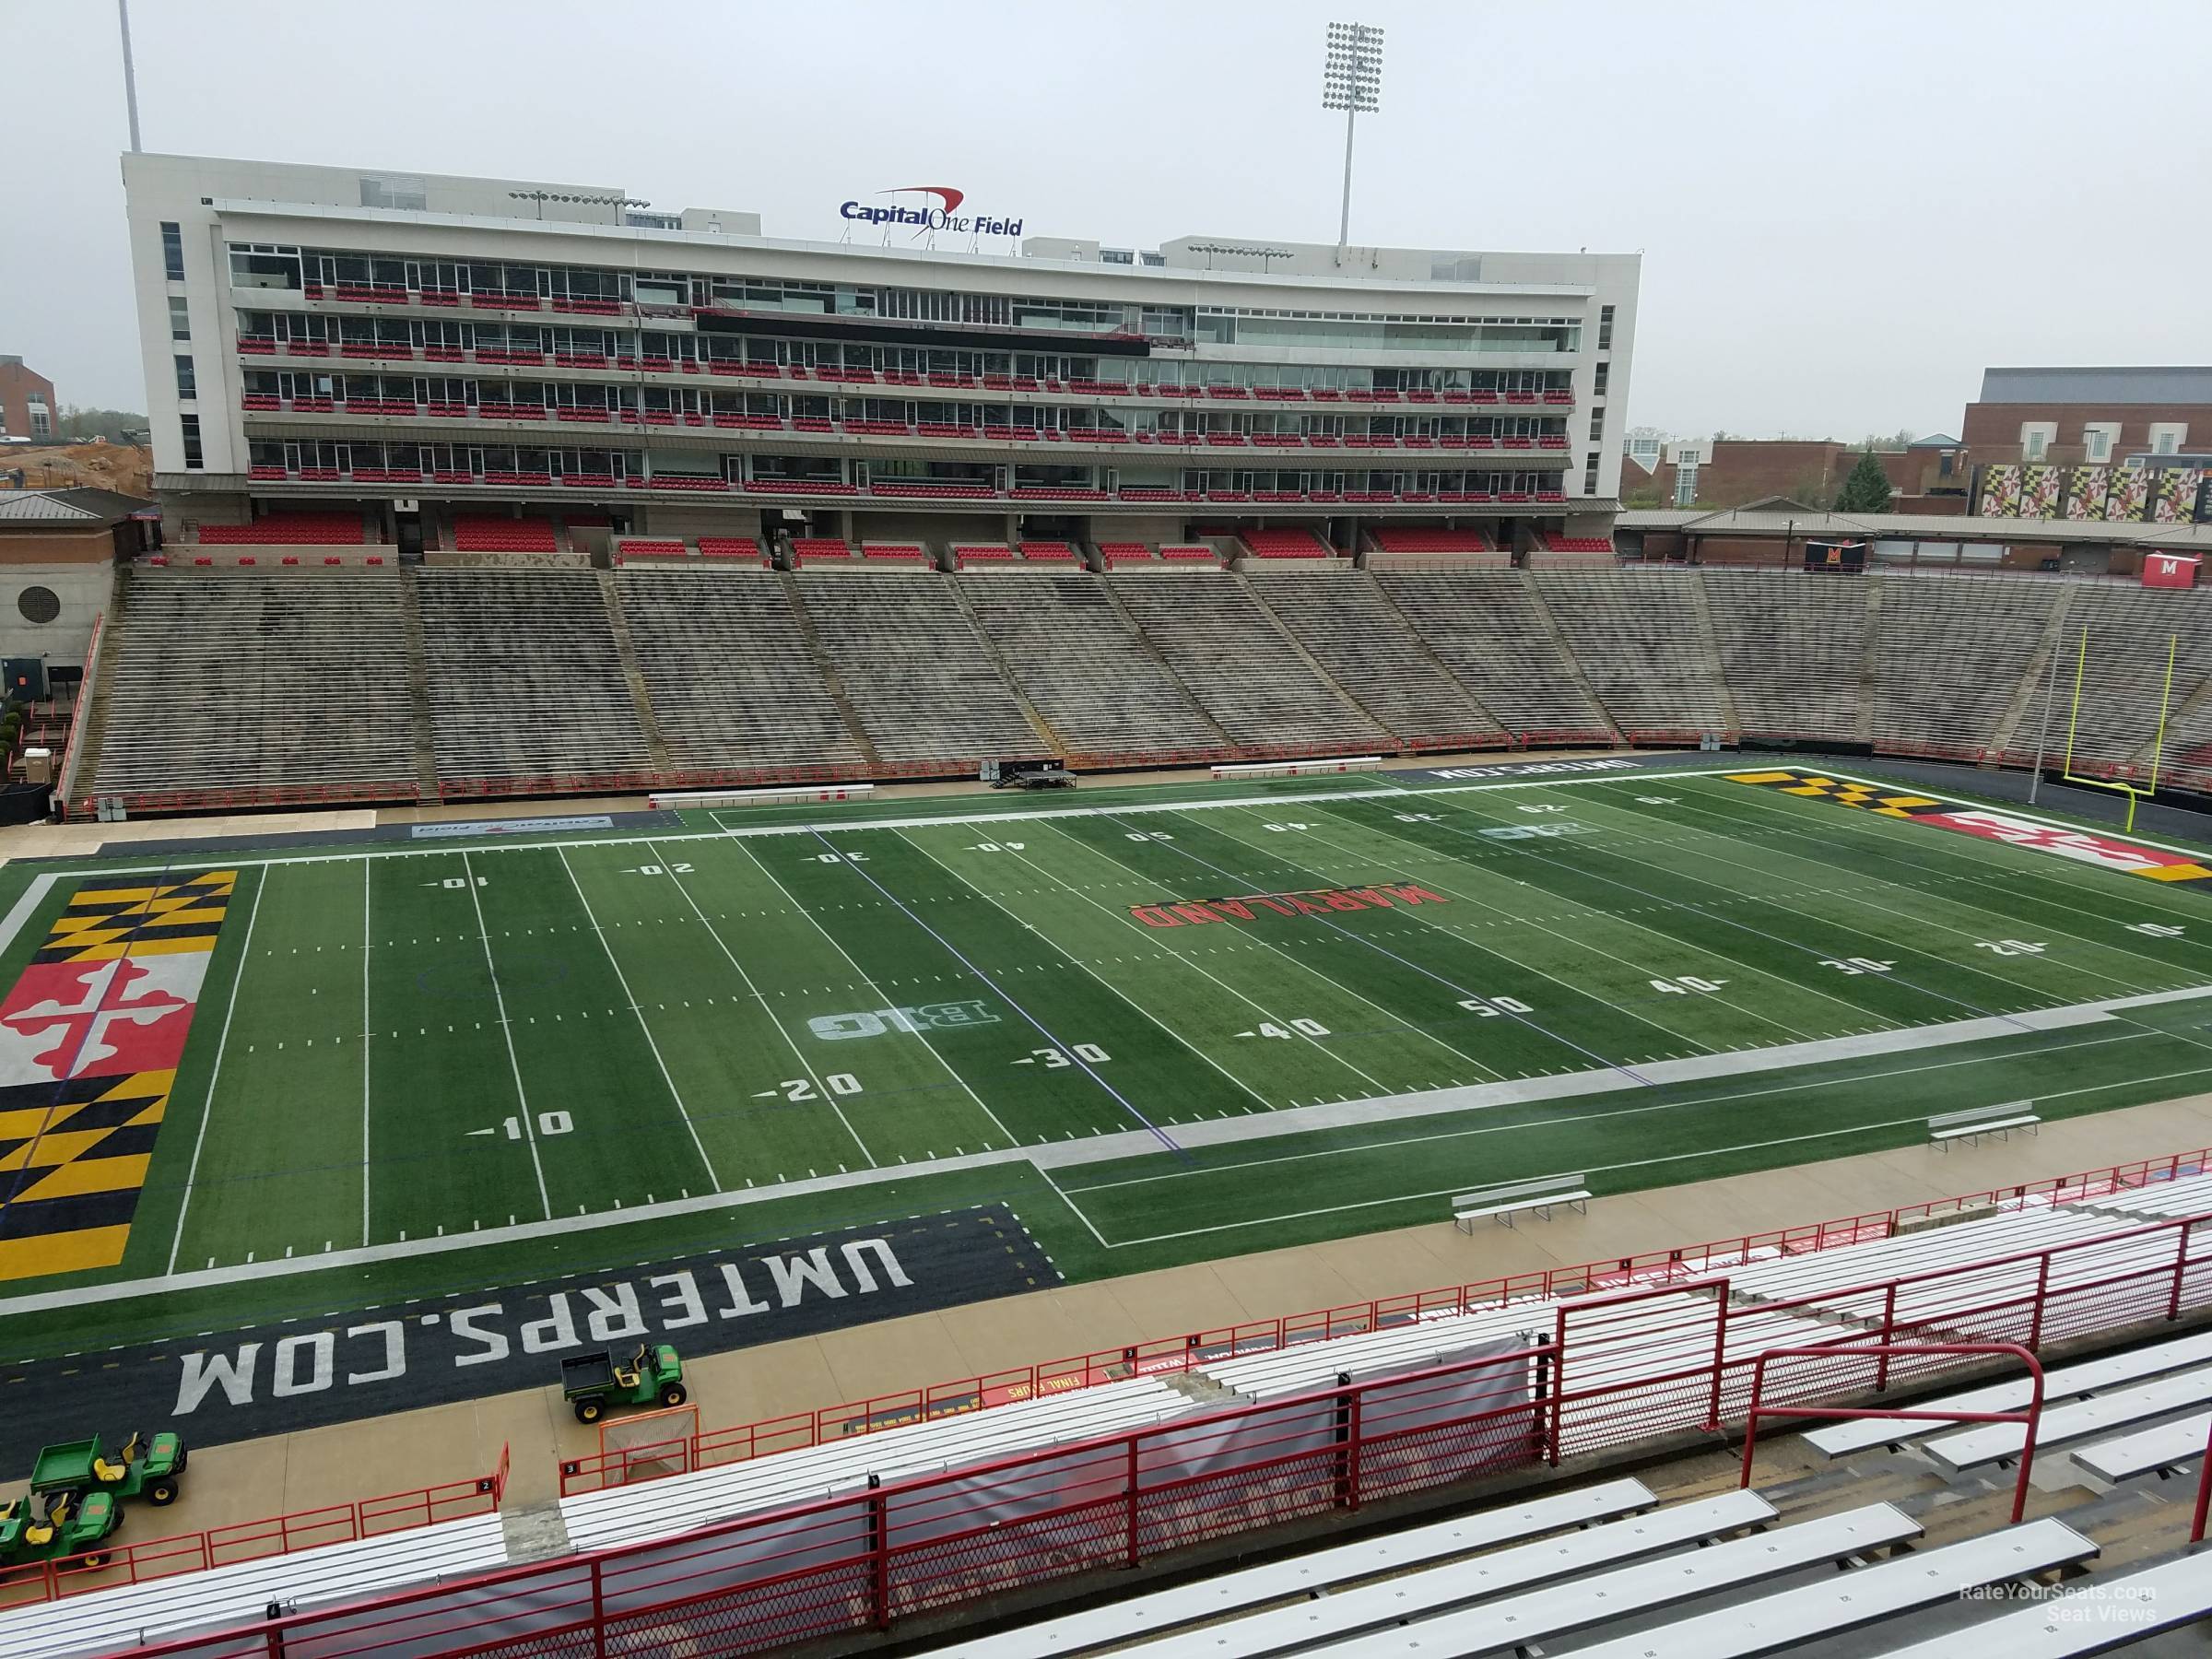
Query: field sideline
[1187, 1022]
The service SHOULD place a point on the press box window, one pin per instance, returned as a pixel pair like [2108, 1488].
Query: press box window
[191, 427]
[172, 251]
[186, 381]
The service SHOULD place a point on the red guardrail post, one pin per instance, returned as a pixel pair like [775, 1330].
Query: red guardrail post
[1559, 1383]
[2042, 1291]
[2180, 1267]
[1881, 1366]
[2030, 1419]
[879, 1553]
[1720, 1358]
[2203, 1495]
[1129, 1501]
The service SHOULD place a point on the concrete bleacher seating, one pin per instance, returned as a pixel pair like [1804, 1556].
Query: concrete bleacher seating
[132, 1616]
[1484, 627]
[1242, 673]
[1951, 653]
[1050, 553]
[1793, 650]
[1084, 669]
[2122, 670]
[489, 532]
[908, 658]
[524, 677]
[237, 680]
[1635, 632]
[732, 682]
[1351, 630]
[297, 529]
[626, 1514]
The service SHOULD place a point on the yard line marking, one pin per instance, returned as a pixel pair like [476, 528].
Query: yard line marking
[245, 951]
[1072, 1209]
[1707, 910]
[876, 990]
[499, 997]
[1166, 949]
[366, 1029]
[1624, 1069]
[621, 978]
[99, 866]
[1980, 859]
[821, 1088]
[1802, 1086]
[1129, 1143]
[1029, 1019]
[1173, 1035]
[1865, 900]
[1300, 964]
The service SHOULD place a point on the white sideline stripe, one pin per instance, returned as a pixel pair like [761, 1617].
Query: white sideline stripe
[853, 826]
[1106, 1148]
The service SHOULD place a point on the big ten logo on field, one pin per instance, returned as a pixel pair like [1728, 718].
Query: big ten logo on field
[876, 1022]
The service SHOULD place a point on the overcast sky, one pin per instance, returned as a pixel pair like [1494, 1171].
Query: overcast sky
[1845, 211]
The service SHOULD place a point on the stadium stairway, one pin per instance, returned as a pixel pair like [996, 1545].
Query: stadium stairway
[1151, 649]
[82, 762]
[1870, 663]
[1037, 723]
[1709, 652]
[2035, 676]
[1314, 663]
[830, 682]
[1550, 625]
[626, 648]
[418, 688]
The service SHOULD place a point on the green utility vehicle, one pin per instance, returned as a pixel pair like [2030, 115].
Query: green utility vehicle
[592, 1383]
[142, 1467]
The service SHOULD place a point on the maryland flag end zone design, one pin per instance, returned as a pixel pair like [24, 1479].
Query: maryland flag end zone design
[90, 1038]
[2106, 852]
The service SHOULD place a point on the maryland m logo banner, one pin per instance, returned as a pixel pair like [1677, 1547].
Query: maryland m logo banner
[90, 1039]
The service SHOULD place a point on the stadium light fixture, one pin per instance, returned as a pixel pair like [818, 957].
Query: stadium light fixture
[1351, 80]
[542, 197]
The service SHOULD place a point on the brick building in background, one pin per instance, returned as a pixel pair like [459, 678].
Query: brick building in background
[2127, 445]
[1930, 474]
[27, 407]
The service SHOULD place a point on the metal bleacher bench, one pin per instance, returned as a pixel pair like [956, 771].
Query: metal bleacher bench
[2111, 1612]
[1503, 1201]
[1972, 1124]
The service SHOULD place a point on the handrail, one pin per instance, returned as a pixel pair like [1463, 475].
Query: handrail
[2030, 1418]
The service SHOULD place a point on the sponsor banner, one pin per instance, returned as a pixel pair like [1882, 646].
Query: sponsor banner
[1318, 901]
[1530, 768]
[2083, 846]
[298, 1373]
[532, 826]
[91, 1034]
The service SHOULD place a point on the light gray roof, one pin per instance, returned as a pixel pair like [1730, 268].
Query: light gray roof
[2146, 385]
[35, 506]
[72, 505]
[1759, 520]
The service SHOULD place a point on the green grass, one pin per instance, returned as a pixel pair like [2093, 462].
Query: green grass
[400, 1044]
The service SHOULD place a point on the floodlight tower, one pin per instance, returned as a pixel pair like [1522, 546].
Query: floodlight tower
[1351, 80]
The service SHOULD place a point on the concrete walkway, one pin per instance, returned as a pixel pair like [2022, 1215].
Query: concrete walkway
[289, 1472]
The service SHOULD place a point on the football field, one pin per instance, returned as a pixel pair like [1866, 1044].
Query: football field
[1160, 1025]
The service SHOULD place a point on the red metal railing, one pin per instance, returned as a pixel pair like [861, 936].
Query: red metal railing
[147, 1558]
[1618, 1370]
[2028, 1419]
[1188, 1350]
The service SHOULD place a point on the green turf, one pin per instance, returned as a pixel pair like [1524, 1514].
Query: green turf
[423, 1044]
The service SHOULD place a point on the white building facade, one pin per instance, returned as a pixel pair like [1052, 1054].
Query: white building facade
[403, 343]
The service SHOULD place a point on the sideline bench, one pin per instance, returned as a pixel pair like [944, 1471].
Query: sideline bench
[1978, 1121]
[1503, 1201]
